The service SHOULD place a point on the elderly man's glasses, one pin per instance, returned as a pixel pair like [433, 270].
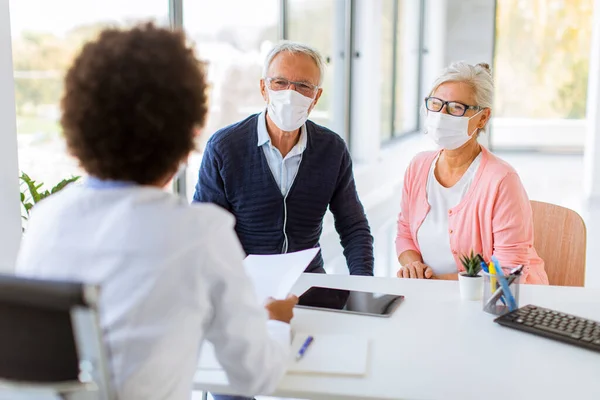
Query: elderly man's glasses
[453, 108]
[304, 88]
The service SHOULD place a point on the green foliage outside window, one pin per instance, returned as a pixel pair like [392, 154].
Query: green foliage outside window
[33, 193]
[541, 61]
[542, 57]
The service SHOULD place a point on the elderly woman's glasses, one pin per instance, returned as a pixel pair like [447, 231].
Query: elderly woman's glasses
[453, 108]
[304, 88]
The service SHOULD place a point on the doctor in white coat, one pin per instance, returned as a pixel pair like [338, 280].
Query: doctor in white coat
[171, 273]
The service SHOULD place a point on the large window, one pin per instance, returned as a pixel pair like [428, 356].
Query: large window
[386, 79]
[233, 37]
[400, 58]
[541, 73]
[314, 22]
[46, 37]
[543, 48]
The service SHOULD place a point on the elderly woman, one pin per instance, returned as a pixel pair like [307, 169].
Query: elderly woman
[462, 198]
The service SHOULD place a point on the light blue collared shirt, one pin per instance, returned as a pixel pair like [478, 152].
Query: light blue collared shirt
[284, 170]
[96, 183]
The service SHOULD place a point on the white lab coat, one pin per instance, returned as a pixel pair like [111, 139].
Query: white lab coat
[171, 275]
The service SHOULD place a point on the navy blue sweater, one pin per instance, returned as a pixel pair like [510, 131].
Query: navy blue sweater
[236, 176]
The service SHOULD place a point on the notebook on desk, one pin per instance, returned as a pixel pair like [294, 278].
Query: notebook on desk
[331, 355]
[328, 354]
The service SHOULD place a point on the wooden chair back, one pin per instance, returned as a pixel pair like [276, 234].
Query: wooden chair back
[560, 240]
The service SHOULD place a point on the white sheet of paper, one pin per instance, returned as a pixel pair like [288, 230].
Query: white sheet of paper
[327, 354]
[275, 275]
[331, 354]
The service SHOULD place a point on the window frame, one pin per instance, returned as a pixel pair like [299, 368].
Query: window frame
[396, 132]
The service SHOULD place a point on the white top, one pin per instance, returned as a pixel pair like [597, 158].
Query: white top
[284, 170]
[433, 235]
[171, 275]
[425, 348]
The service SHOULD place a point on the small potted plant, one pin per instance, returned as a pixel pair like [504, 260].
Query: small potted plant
[469, 281]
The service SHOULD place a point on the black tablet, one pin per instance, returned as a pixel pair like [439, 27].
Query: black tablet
[350, 301]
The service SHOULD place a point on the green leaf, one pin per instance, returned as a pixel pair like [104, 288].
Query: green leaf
[31, 186]
[43, 195]
[27, 206]
[34, 191]
[62, 184]
[471, 263]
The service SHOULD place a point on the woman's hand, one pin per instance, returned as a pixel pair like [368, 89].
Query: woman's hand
[415, 270]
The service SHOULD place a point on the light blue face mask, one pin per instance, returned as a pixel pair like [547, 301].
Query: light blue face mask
[447, 131]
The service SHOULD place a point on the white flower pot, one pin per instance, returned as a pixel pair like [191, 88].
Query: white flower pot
[471, 287]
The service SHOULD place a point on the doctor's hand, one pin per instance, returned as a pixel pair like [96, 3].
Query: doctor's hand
[281, 310]
[415, 270]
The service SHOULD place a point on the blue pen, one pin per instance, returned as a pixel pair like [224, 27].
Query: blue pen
[512, 304]
[496, 262]
[484, 267]
[304, 347]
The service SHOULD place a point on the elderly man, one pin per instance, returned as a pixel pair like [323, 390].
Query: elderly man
[277, 171]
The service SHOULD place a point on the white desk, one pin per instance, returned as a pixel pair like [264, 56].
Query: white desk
[436, 346]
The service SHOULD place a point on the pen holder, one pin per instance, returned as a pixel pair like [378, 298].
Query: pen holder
[495, 300]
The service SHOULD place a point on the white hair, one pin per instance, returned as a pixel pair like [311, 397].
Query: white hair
[295, 48]
[478, 77]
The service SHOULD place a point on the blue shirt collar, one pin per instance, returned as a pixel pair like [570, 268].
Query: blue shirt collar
[263, 134]
[97, 183]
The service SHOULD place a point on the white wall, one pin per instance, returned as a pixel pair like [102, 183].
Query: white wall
[470, 31]
[457, 30]
[10, 219]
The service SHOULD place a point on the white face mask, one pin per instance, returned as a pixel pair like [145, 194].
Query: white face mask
[288, 109]
[447, 131]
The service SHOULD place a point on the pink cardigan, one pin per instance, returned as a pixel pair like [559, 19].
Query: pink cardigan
[494, 217]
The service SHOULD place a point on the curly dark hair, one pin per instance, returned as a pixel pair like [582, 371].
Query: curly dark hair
[132, 102]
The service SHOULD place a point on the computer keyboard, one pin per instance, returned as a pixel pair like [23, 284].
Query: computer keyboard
[554, 325]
